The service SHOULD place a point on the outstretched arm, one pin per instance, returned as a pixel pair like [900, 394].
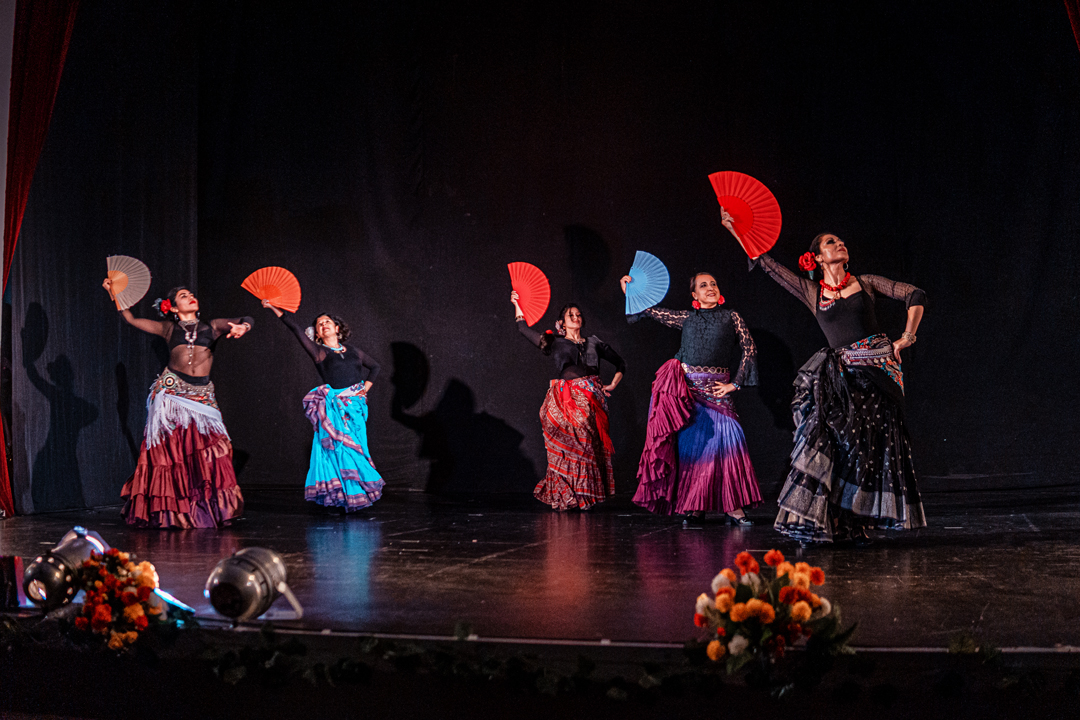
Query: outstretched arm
[313, 350]
[154, 327]
[671, 318]
[235, 327]
[800, 287]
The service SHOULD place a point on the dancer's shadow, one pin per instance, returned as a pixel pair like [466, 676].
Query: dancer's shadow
[55, 479]
[123, 408]
[776, 372]
[469, 451]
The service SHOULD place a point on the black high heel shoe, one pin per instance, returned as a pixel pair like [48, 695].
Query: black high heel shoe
[740, 521]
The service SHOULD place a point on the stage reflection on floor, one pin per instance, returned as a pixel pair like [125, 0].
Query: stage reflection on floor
[1005, 565]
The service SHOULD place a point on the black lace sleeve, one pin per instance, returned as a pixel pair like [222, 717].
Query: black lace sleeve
[748, 374]
[317, 353]
[803, 288]
[910, 294]
[671, 318]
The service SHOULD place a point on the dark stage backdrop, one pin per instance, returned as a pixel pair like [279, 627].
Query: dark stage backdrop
[396, 156]
[117, 176]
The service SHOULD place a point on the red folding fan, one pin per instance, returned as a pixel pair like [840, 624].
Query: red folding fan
[275, 284]
[534, 292]
[753, 209]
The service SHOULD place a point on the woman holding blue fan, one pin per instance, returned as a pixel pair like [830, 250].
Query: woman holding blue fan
[341, 473]
[695, 459]
[574, 414]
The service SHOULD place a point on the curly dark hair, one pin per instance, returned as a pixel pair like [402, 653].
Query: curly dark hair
[342, 326]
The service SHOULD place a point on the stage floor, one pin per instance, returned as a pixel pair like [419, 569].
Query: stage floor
[1004, 565]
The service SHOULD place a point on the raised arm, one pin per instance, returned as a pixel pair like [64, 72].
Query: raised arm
[802, 288]
[748, 373]
[533, 336]
[317, 353]
[671, 318]
[154, 327]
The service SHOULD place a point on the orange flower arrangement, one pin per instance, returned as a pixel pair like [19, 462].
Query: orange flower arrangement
[119, 602]
[755, 617]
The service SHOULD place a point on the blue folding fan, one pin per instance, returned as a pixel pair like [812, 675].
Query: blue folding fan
[649, 284]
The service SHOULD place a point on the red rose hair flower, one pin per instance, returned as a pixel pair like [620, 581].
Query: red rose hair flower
[807, 262]
[166, 305]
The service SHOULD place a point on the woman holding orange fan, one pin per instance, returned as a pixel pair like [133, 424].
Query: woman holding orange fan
[851, 468]
[184, 477]
[574, 414]
[341, 473]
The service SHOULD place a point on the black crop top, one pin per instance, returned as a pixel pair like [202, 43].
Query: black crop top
[575, 360]
[338, 370]
[712, 337]
[193, 362]
[846, 320]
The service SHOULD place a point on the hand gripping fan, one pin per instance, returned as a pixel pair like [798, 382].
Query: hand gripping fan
[534, 292]
[130, 280]
[275, 284]
[649, 283]
[754, 210]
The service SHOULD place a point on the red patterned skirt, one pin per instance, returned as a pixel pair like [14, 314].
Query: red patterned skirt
[185, 476]
[575, 424]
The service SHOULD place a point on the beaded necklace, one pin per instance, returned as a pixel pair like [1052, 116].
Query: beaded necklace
[191, 332]
[825, 304]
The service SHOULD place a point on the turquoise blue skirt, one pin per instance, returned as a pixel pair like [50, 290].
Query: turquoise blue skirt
[341, 472]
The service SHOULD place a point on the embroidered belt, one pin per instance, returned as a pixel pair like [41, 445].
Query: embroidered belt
[698, 370]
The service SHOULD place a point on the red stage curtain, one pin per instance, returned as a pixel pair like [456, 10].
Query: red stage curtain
[42, 33]
[1073, 8]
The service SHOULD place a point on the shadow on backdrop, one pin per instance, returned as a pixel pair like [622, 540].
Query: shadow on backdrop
[55, 480]
[776, 373]
[469, 451]
[123, 408]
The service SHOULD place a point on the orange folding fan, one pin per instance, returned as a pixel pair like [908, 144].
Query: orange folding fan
[534, 292]
[275, 284]
[753, 209]
[130, 280]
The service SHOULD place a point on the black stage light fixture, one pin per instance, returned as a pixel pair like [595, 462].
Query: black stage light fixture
[51, 580]
[244, 586]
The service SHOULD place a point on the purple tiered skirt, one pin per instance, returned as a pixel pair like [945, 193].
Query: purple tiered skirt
[695, 457]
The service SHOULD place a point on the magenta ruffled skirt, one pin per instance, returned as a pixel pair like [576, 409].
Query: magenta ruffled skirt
[695, 457]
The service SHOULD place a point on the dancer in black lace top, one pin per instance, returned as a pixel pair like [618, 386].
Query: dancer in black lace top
[184, 477]
[341, 472]
[851, 468]
[695, 458]
[574, 414]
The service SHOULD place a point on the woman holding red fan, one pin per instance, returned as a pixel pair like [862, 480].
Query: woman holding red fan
[695, 458]
[851, 469]
[574, 414]
[184, 477]
[341, 473]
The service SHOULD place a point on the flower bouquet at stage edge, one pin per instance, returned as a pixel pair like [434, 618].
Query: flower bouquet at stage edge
[120, 604]
[751, 617]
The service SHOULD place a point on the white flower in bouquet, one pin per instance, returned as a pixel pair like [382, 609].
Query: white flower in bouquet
[753, 580]
[737, 645]
[704, 602]
[824, 610]
[720, 582]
